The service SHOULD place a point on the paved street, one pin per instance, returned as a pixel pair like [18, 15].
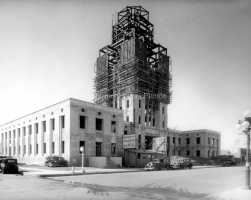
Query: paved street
[198, 183]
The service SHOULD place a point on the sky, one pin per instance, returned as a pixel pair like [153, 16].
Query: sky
[48, 50]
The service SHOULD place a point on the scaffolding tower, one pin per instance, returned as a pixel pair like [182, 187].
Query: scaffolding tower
[133, 63]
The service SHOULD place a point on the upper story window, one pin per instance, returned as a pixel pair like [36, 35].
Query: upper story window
[82, 122]
[139, 103]
[52, 124]
[62, 121]
[30, 130]
[174, 139]
[99, 124]
[127, 103]
[36, 127]
[187, 140]
[44, 126]
[113, 127]
[198, 140]
[163, 110]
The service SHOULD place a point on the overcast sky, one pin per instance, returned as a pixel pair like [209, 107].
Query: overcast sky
[48, 50]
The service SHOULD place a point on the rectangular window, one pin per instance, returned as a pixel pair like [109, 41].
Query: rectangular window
[179, 153]
[168, 140]
[52, 124]
[18, 130]
[198, 140]
[44, 126]
[174, 140]
[179, 140]
[24, 131]
[187, 140]
[62, 121]
[127, 103]
[24, 149]
[139, 103]
[212, 141]
[14, 133]
[113, 148]
[53, 147]
[62, 146]
[125, 132]
[198, 153]
[37, 148]
[82, 122]
[99, 124]
[113, 127]
[36, 128]
[81, 144]
[19, 149]
[30, 148]
[217, 142]
[127, 118]
[153, 121]
[209, 140]
[163, 110]
[139, 119]
[30, 130]
[44, 147]
[188, 153]
[14, 150]
[163, 124]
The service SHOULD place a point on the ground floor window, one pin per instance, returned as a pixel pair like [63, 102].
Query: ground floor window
[198, 153]
[188, 153]
[44, 147]
[53, 147]
[37, 149]
[62, 146]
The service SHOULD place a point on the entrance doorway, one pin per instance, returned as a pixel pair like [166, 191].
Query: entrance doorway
[98, 149]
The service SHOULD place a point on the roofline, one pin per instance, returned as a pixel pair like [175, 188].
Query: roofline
[35, 112]
[69, 99]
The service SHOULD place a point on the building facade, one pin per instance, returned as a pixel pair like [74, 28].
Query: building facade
[61, 130]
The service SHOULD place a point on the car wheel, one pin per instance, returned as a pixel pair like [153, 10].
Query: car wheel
[50, 164]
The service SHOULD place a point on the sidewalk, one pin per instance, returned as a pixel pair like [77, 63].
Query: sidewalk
[67, 171]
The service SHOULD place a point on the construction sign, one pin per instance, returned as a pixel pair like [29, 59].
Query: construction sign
[129, 141]
[159, 144]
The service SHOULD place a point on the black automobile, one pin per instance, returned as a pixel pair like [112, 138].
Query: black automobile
[56, 161]
[157, 164]
[228, 163]
[8, 165]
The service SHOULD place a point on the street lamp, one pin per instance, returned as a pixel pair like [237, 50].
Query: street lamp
[82, 149]
[246, 124]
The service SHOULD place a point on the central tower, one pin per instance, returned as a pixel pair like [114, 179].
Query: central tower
[133, 72]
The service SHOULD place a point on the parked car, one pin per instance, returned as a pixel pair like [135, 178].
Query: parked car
[8, 165]
[228, 163]
[157, 164]
[56, 161]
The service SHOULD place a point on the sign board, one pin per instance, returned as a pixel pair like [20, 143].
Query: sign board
[151, 131]
[129, 141]
[159, 144]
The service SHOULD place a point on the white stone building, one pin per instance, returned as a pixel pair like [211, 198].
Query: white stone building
[61, 129]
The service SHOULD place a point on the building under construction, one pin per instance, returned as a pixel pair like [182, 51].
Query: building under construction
[133, 64]
[133, 74]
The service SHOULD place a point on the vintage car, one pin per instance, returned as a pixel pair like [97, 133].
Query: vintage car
[228, 163]
[8, 165]
[157, 164]
[56, 161]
